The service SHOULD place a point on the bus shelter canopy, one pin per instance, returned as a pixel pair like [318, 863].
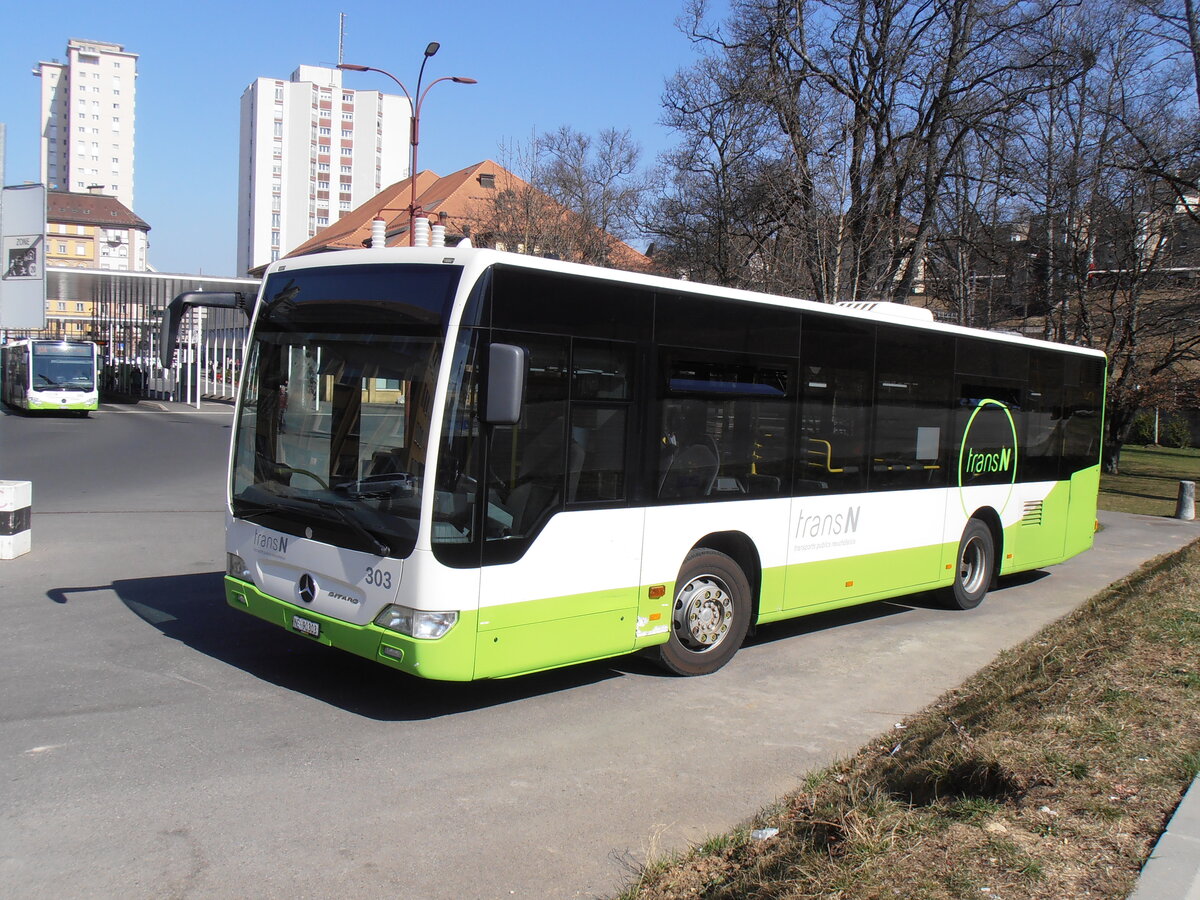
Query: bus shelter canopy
[153, 290]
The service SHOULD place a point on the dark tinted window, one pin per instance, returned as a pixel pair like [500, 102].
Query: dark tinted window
[601, 374]
[532, 301]
[527, 462]
[349, 295]
[569, 449]
[836, 372]
[725, 424]
[912, 398]
[684, 320]
[991, 389]
[991, 360]
[1083, 402]
[1042, 435]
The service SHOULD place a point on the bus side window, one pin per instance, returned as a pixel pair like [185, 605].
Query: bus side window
[912, 399]
[1083, 407]
[691, 458]
[528, 463]
[568, 448]
[600, 399]
[836, 369]
[1041, 449]
[726, 424]
[997, 372]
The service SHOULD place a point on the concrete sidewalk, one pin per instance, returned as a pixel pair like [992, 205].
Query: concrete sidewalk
[1173, 870]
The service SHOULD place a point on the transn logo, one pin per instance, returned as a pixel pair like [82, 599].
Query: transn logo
[976, 462]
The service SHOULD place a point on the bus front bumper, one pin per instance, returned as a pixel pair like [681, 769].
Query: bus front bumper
[37, 403]
[449, 658]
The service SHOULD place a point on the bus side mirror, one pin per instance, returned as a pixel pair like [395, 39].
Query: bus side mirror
[507, 366]
[173, 314]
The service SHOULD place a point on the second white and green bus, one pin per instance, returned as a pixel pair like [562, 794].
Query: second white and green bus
[49, 376]
[468, 464]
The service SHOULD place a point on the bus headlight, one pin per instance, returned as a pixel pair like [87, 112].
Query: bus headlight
[236, 567]
[418, 623]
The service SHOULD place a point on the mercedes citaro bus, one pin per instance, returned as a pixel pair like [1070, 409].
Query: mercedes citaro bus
[464, 463]
[49, 376]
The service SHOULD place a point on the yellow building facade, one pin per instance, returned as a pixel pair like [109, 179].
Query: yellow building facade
[88, 231]
[71, 245]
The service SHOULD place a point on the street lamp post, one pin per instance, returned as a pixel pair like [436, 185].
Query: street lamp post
[414, 130]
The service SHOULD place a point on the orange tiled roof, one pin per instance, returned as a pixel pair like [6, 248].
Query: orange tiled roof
[453, 200]
[71, 208]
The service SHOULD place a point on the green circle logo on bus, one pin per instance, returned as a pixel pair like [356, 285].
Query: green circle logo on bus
[989, 451]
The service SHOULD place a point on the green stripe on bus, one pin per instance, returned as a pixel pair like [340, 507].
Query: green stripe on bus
[450, 658]
[50, 406]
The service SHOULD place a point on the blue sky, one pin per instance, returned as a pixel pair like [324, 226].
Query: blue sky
[540, 64]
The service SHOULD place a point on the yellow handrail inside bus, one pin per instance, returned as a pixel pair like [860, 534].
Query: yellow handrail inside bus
[824, 457]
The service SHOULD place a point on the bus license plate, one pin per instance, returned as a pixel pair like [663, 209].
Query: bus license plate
[306, 626]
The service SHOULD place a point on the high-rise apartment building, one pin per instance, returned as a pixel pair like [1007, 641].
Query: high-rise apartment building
[311, 150]
[87, 119]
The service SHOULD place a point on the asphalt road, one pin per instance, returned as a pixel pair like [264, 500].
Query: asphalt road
[154, 743]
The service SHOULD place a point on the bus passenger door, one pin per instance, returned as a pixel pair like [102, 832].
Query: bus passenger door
[561, 550]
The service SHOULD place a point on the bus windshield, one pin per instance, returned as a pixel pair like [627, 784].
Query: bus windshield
[63, 367]
[333, 428]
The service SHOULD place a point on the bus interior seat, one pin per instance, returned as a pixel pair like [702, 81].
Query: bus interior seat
[763, 485]
[691, 472]
[539, 484]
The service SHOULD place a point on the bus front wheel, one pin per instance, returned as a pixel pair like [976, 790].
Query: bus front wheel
[976, 567]
[709, 616]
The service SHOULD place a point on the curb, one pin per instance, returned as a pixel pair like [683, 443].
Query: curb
[1173, 870]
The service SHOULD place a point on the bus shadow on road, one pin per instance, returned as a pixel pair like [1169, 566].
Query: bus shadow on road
[934, 601]
[191, 609]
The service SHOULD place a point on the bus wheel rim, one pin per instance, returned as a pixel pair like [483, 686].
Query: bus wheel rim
[972, 565]
[703, 613]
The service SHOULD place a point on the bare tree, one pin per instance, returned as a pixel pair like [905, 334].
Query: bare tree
[871, 101]
[1169, 138]
[968, 263]
[566, 195]
[598, 180]
[1144, 317]
[519, 217]
[717, 215]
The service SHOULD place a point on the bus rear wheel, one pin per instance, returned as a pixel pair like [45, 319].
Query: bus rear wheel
[709, 616]
[976, 566]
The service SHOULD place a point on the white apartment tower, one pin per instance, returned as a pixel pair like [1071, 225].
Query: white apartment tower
[310, 151]
[87, 119]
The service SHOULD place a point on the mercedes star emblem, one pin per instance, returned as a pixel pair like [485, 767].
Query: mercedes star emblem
[307, 588]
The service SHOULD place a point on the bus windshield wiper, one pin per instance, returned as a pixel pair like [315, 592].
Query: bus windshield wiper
[249, 515]
[355, 525]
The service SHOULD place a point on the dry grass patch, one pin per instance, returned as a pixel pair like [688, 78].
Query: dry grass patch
[1049, 774]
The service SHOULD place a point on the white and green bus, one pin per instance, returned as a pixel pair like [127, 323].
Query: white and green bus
[469, 464]
[49, 376]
